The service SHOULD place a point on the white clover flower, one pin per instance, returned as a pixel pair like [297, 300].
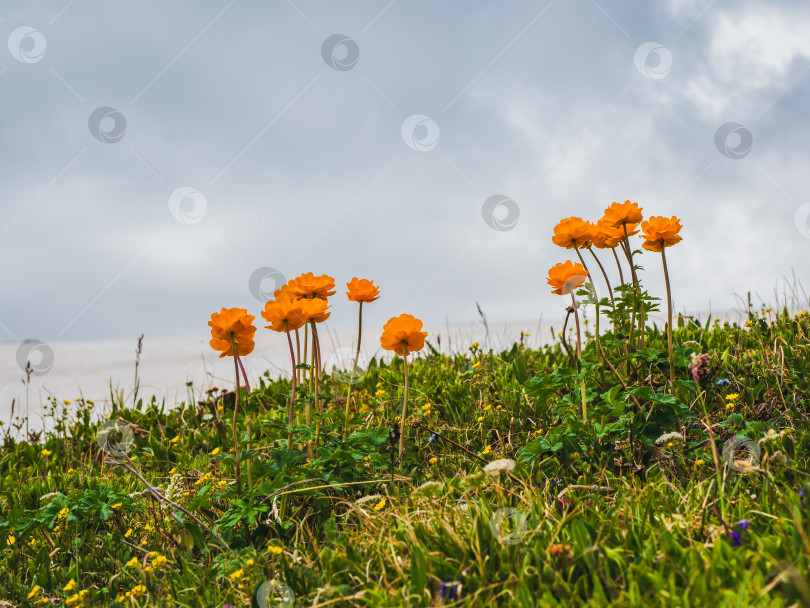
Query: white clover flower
[496, 467]
[669, 438]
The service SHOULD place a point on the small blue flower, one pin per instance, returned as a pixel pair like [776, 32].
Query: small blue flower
[735, 538]
[433, 437]
[722, 382]
[744, 523]
[802, 493]
[450, 591]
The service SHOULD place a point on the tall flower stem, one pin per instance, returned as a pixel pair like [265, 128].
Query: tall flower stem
[313, 383]
[292, 390]
[616, 257]
[669, 318]
[235, 413]
[359, 337]
[629, 254]
[298, 354]
[403, 428]
[579, 360]
[604, 274]
[316, 351]
[590, 278]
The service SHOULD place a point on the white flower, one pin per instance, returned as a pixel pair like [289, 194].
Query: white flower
[669, 437]
[429, 488]
[496, 467]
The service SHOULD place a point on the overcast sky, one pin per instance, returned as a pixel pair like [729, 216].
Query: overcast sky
[156, 155]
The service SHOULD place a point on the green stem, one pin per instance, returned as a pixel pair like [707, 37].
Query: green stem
[579, 359]
[292, 390]
[669, 319]
[235, 412]
[359, 337]
[403, 428]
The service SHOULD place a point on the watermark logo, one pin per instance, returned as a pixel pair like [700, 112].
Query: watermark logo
[27, 44]
[741, 453]
[264, 282]
[420, 133]
[340, 52]
[35, 356]
[509, 525]
[107, 430]
[802, 220]
[733, 140]
[187, 205]
[274, 594]
[653, 60]
[500, 213]
[107, 125]
[341, 366]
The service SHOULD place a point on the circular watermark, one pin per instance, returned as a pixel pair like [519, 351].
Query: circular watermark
[802, 220]
[274, 594]
[733, 140]
[653, 60]
[117, 449]
[42, 357]
[741, 453]
[187, 205]
[264, 282]
[420, 132]
[500, 213]
[340, 365]
[509, 525]
[27, 44]
[340, 52]
[107, 125]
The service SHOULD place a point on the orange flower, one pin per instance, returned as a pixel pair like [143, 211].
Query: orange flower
[573, 233]
[310, 286]
[229, 326]
[565, 277]
[283, 314]
[313, 309]
[659, 232]
[403, 332]
[362, 290]
[607, 236]
[624, 214]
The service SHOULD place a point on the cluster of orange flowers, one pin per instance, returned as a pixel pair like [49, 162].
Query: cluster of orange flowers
[619, 222]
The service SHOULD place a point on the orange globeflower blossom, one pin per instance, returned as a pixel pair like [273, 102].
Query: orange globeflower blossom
[362, 290]
[659, 232]
[232, 326]
[313, 309]
[565, 277]
[607, 236]
[310, 286]
[403, 335]
[573, 233]
[283, 314]
[624, 215]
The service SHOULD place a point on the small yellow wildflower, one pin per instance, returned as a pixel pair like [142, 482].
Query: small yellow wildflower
[160, 560]
[70, 586]
[730, 406]
[70, 470]
[149, 528]
[66, 401]
[699, 462]
[149, 569]
[480, 419]
[380, 505]
[222, 483]
[133, 562]
[732, 397]
[215, 451]
[32, 542]
[10, 540]
[538, 431]
[236, 574]
[34, 592]
[275, 550]
[802, 314]
[143, 542]
[487, 407]
[174, 439]
[63, 513]
[476, 365]
[117, 505]
[138, 590]
[429, 475]
[46, 452]
[433, 460]
[56, 528]
[173, 471]
[487, 450]
[249, 562]
[128, 533]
